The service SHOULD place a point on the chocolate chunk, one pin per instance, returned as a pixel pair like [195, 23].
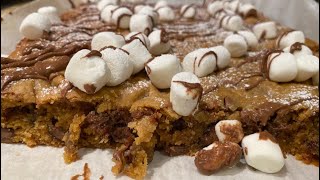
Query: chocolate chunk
[56, 132]
[6, 135]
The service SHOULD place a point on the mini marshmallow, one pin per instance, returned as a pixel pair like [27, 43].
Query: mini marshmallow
[315, 79]
[34, 25]
[201, 62]
[143, 38]
[120, 65]
[289, 38]
[161, 70]
[137, 8]
[103, 3]
[308, 66]
[185, 93]
[231, 22]
[229, 130]
[247, 10]
[106, 13]
[150, 12]
[161, 4]
[141, 23]
[224, 56]
[188, 11]
[262, 153]
[282, 67]
[51, 13]
[305, 50]
[121, 17]
[266, 30]
[214, 7]
[89, 74]
[104, 39]
[159, 42]
[166, 13]
[234, 5]
[139, 54]
[250, 38]
[236, 45]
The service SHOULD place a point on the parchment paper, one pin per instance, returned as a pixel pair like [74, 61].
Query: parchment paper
[41, 163]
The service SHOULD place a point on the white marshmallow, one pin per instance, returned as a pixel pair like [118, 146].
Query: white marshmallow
[103, 3]
[247, 9]
[166, 13]
[51, 13]
[141, 23]
[315, 79]
[308, 66]
[232, 22]
[106, 13]
[121, 17]
[161, 70]
[262, 154]
[139, 54]
[236, 45]
[201, 62]
[230, 136]
[250, 38]
[185, 93]
[159, 42]
[150, 12]
[34, 25]
[224, 56]
[267, 30]
[104, 39]
[188, 11]
[290, 38]
[160, 4]
[137, 8]
[234, 5]
[305, 50]
[89, 74]
[214, 7]
[139, 35]
[283, 67]
[119, 63]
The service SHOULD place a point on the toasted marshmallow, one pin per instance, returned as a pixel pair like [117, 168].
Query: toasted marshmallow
[159, 42]
[150, 12]
[161, 70]
[265, 30]
[119, 63]
[121, 17]
[138, 54]
[89, 73]
[282, 67]
[231, 22]
[236, 45]
[166, 13]
[34, 25]
[224, 56]
[250, 38]
[161, 4]
[51, 13]
[106, 13]
[141, 23]
[247, 10]
[103, 3]
[262, 152]
[185, 93]
[315, 79]
[104, 39]
[188, 11]
[143, 38]
[201, 62]
[298, 49]
[308, 66]
[214, 7]
[289, 38]
[229, 130]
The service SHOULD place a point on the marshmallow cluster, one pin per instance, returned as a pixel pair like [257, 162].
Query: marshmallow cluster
[262, 152]
[185, 93]
[159, 42]
[161, 70]
[188, 11]
[229, 130]
[104, 39]
[35, 24]
[265, 30]
[103, 3]
[289, 38]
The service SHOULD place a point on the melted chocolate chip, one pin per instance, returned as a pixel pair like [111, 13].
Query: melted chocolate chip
[90, 88]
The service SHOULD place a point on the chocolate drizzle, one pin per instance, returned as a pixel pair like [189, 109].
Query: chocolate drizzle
[297, 46]
[94, 53]
[281, 36]
[186, 9]
[207, 54]
[266, 61]
[194, 88]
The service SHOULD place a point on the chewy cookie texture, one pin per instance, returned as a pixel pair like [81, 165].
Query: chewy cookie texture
[214, 80]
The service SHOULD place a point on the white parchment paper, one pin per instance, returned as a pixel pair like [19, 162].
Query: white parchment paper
[41, 163]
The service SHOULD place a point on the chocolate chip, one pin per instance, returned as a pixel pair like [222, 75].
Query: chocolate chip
[90, 88]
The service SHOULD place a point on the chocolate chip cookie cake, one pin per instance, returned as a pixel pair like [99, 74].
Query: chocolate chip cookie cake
[215, 80]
